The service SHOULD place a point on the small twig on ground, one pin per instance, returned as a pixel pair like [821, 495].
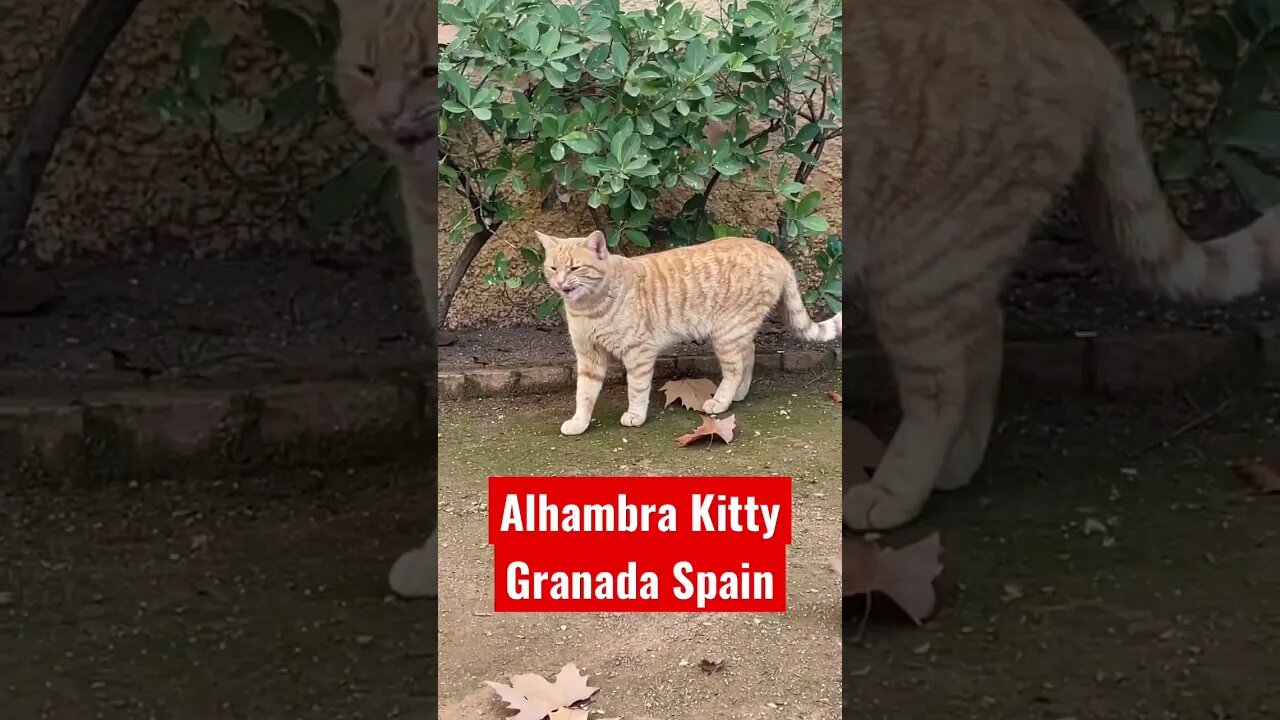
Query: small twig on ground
[811, 383]
[1187, 427]
[862, 624]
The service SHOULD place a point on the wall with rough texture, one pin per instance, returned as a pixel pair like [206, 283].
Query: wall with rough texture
[120, 186]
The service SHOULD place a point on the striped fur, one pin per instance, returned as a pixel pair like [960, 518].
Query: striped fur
[633, 308]
[969, 117]
[385, 72]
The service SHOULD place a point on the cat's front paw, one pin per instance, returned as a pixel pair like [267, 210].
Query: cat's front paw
[574, 426]
[713, 406]
[633, 419]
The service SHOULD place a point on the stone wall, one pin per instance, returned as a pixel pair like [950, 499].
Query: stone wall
[120, 186]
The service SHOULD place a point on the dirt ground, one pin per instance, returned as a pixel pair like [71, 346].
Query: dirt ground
[781, 666]
[1167, 613]
[255, 598]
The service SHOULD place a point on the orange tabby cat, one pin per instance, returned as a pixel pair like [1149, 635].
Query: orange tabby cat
[633, 308]
[386, 74]
[969, 117]
[385, 71]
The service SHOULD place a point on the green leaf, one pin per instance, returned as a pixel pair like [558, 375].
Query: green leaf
[1259, 188]
[809, 203]
[240, 116]
[1257, 131]
[620, 57]
[531, 257]
[294, 102]
[343, 196]
[1181, 159]
[557, 152]
[482, 113]
[293, 33]
[549, 42]
[201, 59]
[170, 106]
[580, 142]
[1218, 45]
[814, 223]
[638, 200]
[1150, 95]
[549, 306]
[637, 238]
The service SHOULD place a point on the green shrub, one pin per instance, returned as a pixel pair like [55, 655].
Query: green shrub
[583, 101]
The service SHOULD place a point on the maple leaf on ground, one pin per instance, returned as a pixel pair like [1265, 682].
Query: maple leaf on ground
[445, 34]
[724, 428]
[535, 698]
[693, 393]
[121, 361]
[864, 449]
[1259, 478]
[904, 575]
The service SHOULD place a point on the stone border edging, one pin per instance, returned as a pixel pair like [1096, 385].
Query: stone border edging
[138, 432]
[1091, 364]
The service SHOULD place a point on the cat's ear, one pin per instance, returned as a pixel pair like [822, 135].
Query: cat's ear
[548, 243]
[597, 245]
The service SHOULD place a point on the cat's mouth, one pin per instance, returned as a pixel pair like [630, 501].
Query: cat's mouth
[412, 140]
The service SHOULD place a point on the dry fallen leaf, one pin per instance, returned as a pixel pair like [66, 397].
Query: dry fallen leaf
[121, 361]
[904, 575]
[535, 698]
[836, 397]
[711, 427]
[445, 34]
[711, 667]
[865, 449]
[693, 393]
[1259, 478]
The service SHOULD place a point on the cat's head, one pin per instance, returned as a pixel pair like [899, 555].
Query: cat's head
[385, 72]
[576, 268]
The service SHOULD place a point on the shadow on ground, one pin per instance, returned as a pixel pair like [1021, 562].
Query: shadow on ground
[259, 597]
[1093, 572]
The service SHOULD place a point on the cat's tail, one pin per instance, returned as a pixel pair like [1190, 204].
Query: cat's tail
[1122, 200]
[797, 314]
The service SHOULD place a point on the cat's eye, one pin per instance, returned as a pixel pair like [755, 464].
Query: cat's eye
[365, 70]
[574, 267]
[552, 268]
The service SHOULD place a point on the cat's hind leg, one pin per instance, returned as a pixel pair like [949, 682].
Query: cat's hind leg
[940, 346]
[983, 360]
[748, 367]
[731, 348]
